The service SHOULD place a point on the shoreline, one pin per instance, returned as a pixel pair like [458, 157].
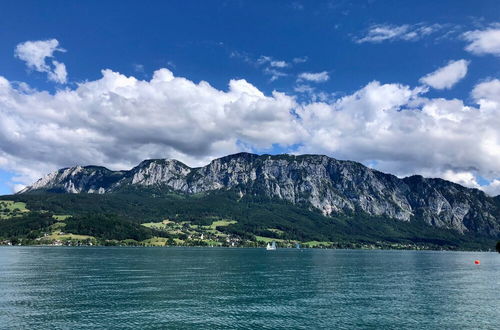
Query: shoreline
[238, 247]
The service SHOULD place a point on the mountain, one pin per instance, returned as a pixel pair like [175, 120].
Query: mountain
[313, 182]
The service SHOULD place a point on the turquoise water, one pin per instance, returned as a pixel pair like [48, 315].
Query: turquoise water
[211, 288]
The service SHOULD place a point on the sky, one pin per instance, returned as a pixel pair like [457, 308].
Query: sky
[404, 87]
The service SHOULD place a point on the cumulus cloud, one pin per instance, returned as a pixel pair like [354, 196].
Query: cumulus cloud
[402, 132]
[385, 32]
[58, 73]
[483, 42]
[314, 77]
[447, 76]
[487, 94]
[117, 121]
[492, 189]
[309, 94]
[36, 53]
[467, 179]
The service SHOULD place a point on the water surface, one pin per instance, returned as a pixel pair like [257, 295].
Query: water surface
[193, 288]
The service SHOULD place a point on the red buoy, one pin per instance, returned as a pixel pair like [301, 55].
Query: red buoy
[477, 262]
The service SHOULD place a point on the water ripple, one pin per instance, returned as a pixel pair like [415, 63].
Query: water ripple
[182, 288]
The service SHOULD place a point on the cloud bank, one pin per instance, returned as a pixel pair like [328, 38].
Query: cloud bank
[118, 121]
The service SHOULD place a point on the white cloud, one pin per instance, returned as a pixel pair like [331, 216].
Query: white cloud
[467, 179]
[492, 189]
[117, 121]
[309, 94]
[447, 76]
[59, 73]
[272, 62]
[35, 54]
[483, 42]
[303, 88]
[379, 33]
[487, 94]
[278, 64]
[384, 32]
[405, 133]
[314, 77]
[270, 66]
[16, 187]
[275, 74]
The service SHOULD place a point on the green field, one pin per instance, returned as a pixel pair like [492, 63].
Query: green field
[277, 231]
[312, 244]
[268, 239]
[61, 217]
[9, 209]
[164, 225]
[155, 241]
[57, 226]
[222, 223]
[58, 235]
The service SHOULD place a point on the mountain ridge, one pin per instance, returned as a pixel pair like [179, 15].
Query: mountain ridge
[334, 187]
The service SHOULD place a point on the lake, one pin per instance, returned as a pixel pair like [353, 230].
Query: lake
[216, 288]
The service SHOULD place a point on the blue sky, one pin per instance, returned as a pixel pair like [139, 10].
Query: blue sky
[323, 56]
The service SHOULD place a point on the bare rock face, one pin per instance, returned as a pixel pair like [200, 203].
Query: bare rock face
[88, 179]
[170, 173]
[329, 185]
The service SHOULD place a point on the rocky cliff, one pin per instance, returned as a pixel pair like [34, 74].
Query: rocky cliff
[315, 181]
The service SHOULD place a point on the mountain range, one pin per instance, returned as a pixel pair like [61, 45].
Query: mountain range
[321, 186]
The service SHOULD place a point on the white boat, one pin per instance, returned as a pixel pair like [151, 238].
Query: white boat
[271, 247]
